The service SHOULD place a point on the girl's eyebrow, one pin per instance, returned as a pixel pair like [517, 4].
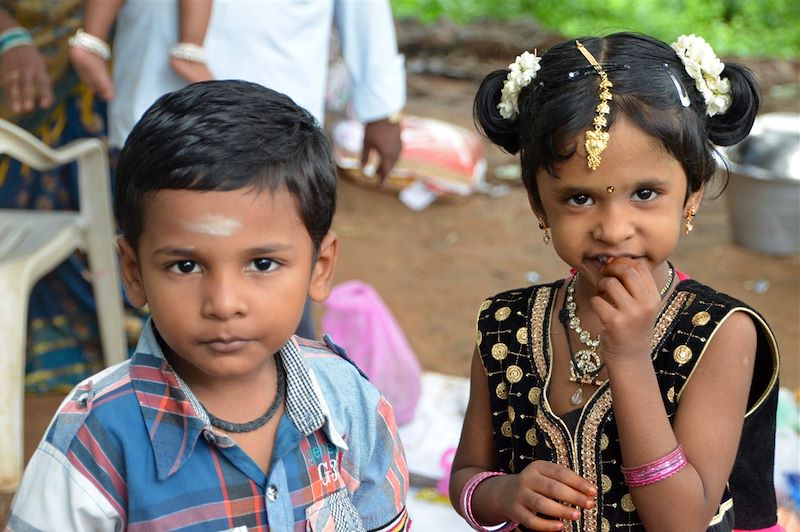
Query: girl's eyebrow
[573, 190]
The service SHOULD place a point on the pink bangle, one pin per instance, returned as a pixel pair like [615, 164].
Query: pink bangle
[466, 504]
[656, 470]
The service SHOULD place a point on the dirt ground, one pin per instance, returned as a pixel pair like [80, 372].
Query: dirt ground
[434, 267]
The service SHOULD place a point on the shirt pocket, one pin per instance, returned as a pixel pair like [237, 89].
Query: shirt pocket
[334, 513]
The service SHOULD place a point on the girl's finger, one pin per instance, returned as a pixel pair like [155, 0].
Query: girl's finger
[545, 510]
[566, 476]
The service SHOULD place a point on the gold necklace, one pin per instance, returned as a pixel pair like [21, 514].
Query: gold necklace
[586, 364]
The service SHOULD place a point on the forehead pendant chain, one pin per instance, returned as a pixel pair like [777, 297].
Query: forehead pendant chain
[597, 139]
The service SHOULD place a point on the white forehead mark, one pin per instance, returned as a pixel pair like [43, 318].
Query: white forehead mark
[214, 224]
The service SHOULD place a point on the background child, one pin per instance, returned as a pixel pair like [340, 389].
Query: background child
[222, 419]
[615, 139]
[89, 51]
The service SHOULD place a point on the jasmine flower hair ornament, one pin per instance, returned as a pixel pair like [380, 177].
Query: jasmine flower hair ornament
[521, 72]
[704, 67]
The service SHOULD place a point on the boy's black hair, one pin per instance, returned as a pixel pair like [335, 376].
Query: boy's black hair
[555, 108]
[226, 135]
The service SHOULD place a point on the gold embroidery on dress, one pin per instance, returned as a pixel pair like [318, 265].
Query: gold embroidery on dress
[701, 318]
[591, 427]
[502, 313]
[682, 354]
[535, 395]
[499, 351]
[537, 330]
[522, 336]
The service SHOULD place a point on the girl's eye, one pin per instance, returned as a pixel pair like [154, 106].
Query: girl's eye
[580, 199]
[264, 265]
[183, 266]
[644, 194]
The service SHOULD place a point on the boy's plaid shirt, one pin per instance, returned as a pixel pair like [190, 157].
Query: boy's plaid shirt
[131, 448]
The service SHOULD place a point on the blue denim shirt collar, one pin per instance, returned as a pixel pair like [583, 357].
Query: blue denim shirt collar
[175, 419]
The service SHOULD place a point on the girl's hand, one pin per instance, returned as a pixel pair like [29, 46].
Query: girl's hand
[542, 492]
[627, 303]
[25, 80]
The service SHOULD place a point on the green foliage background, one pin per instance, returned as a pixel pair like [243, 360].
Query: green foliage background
[760, 28]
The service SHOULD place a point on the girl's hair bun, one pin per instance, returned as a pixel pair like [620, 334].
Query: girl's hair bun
[735, 124]
[502, 132]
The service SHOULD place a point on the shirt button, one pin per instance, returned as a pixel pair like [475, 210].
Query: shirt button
[272, 493]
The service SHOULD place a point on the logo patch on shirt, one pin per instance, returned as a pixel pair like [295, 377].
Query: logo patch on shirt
[322, 460]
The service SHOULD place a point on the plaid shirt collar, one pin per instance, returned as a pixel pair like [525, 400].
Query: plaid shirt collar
[175, 419]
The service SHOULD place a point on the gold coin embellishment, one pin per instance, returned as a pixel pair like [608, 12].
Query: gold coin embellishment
[479, 337]
[603, 442]
[682, 354]
[505, 429]
[605, 483]
[511, 414]
[513, 374]
[502, 313]
[605, 526]
[522, 336]
[530, 437]
[486, 304]
[501, 391]
[499, 351]
[534, 394]
[701, 318]
[671, 394]
[627, 503]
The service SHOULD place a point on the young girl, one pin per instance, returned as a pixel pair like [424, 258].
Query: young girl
[626, 396]
[89, 52]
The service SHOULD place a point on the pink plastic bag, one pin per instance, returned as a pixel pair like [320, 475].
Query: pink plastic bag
[357, 319]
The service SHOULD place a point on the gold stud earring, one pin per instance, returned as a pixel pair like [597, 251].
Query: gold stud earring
[687, 227]
[543, 227]
[610, 189]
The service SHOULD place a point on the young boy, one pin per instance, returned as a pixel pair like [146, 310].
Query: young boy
[222, 420]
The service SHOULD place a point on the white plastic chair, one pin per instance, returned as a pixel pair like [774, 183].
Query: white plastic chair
[33, 243]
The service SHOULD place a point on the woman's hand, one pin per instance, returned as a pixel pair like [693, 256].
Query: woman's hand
[25, 80]
[543, 495]
[627, 303]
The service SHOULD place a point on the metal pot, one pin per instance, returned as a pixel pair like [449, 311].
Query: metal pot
[764, 188]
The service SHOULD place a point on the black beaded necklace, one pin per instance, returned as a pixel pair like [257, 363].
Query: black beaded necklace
[260, 421]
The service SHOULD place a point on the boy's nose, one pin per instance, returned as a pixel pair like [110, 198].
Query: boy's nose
[223, 298]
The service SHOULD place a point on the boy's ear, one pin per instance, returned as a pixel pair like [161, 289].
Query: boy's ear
[131, 275]
[322, 271]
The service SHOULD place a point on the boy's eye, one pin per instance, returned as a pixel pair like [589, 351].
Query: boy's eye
[183, 266]
[580, 199]
[645, 194]
[264, 265]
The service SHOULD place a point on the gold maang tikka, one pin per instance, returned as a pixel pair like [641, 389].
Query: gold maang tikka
[597, 139]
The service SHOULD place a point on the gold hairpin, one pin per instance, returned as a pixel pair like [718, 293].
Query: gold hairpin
[597, 140]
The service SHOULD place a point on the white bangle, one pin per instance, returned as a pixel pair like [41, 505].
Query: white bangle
[189, 52]
[90, 43]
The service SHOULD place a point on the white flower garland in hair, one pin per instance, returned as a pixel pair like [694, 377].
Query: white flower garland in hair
[522, 72]
[705, 68]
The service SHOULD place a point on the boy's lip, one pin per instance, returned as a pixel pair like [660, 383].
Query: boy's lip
[228, 344]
